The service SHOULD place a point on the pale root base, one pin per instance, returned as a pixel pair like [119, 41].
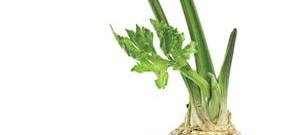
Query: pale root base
[182, 130]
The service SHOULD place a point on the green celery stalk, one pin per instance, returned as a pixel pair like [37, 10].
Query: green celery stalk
[202, 57]
[158, 11]
[193, 89]
[225, 70]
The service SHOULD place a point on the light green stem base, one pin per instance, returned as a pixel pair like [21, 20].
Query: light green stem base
[182, 130]
[185, 129]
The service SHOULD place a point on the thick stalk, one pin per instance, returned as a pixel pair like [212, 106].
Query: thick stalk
[224, 79]
[202, 57]
[158, 11]
[225, 70]
[193, 92]
[192, 87]
[199, 97]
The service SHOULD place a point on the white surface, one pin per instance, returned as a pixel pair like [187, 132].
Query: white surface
[62, 73]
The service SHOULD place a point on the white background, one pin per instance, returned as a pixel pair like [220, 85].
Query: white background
[62, 73]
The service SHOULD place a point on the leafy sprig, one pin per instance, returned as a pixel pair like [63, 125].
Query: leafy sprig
[138, 44]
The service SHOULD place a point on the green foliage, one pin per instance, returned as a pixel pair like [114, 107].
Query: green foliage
[138, 44]
[171, 42]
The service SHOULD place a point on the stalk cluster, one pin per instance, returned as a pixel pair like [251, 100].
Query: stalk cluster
[207, 91]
